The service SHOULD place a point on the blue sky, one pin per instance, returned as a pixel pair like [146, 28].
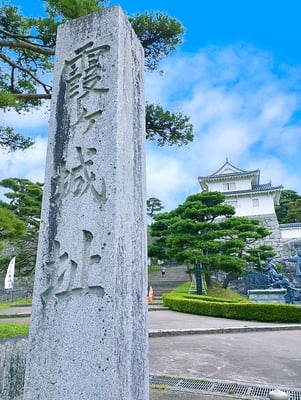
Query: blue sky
[237, 75]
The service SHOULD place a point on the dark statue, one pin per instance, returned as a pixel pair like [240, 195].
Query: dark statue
[277, 280]
[296, 259]
[271, 271]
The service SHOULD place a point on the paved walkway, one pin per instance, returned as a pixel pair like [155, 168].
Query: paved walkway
[218, 348]
[245, 352]
[22, 314]
[209, 348]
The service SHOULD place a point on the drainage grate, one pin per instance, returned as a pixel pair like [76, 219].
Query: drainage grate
[219, 387]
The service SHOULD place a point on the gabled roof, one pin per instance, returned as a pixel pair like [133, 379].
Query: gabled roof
[228, 168]
[227, 171]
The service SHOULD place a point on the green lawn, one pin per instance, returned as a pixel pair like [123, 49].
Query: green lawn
[22, 302]
[4, 305]
[215, 291]
[218, 291]
[9, 330]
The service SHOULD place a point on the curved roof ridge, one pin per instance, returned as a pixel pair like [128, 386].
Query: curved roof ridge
[233, 170]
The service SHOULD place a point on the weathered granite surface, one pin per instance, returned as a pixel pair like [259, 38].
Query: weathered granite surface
[12, 367]
[88, 337]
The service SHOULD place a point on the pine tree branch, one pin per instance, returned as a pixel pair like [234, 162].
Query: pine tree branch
[25, 45]
[32, 96]
[9, 61]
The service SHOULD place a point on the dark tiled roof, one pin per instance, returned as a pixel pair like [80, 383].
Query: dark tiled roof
[291, 225]
[255, 189]
[264, 186]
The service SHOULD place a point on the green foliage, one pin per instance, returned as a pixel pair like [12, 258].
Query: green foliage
[12, 140]
[25, 199]
[7, 99]
[204, 229]
[237, 245]
[259, 254]
[153, 206]
[11, 230]
[289, 208]
[10, 330]
[215, 292]
[159, 35]
[4, 305]
[294, 212]
[22, 302]
[27, 55]
[10, 226]
[153, 268]
[167, 128]
[241, 311]
[24, 54]
[209, 298]
[183, 288]
[245, 229]
[18, 302]
[75, 8]
[218, 291]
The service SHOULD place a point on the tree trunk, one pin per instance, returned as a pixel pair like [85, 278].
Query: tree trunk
[231, 276]
[207, 276]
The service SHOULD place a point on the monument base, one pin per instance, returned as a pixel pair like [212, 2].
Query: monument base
[274, 296]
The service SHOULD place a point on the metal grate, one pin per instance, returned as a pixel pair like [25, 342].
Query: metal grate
[219, 387]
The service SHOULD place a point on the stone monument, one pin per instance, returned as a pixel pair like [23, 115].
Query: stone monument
[88, 337]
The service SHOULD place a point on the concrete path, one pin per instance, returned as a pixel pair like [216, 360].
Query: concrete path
[244, 352]
[172, 321]
[16, 314]
[198, 347]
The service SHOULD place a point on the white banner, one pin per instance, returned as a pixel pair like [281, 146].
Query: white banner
[9, 279]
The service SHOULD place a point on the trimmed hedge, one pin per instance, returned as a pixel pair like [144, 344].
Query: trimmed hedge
[262, 312]
[211, 298]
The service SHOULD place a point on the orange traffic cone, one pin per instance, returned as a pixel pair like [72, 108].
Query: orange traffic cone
[150, 296]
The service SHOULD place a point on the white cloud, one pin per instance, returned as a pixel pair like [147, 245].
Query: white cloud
[31, 120]
[167, 179]
[28, 164]
[243, 108]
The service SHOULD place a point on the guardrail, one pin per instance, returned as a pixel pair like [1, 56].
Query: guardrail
[15, 294]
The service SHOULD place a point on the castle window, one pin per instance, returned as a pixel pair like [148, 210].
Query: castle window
[229, 186]
[255, 202]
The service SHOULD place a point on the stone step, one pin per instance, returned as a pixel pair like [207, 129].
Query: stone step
[175, 276]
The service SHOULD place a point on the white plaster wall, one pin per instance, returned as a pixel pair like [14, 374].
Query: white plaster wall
[242, 184]
[215, 186]
[290, 233]
[245, 206]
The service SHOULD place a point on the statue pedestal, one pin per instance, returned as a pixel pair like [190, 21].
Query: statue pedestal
[275, 296]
